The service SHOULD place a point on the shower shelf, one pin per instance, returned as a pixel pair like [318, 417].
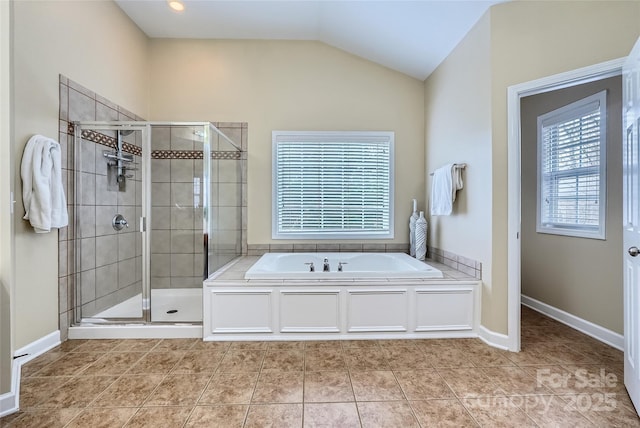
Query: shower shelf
[127, 167]
[117, 157]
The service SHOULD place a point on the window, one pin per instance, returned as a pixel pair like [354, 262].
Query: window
[332, 185]
[571, 169]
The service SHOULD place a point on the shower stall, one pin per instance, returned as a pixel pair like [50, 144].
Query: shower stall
[157, 209]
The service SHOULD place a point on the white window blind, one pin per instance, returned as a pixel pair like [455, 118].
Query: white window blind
[332, 185]
[571, 169]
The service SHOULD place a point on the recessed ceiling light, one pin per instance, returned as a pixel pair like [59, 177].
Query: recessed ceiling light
[176, 5]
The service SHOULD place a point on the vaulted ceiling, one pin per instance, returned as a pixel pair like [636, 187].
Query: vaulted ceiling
[412, 37]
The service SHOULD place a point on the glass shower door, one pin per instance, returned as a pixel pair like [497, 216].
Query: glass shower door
[178, 196]
[224, 224]
[109, 201]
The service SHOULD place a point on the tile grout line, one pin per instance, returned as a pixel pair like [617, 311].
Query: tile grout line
[304, 380]
[353, 391]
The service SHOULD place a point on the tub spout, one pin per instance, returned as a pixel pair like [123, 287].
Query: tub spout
[312, 268]
[325, 267]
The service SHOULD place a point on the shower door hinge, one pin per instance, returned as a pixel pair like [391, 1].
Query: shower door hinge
[143, 224]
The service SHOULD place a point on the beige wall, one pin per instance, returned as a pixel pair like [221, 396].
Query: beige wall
[6, 184]
[458, 129]
[580, 276]
[528, 40]
[97, 45]
[285, 85]
[531, 40]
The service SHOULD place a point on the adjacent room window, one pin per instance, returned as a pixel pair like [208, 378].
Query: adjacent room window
[571, 169]
[332, 185]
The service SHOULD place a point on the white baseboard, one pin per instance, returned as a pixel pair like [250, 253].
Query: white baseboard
[491, 338]
[587, 327]
[10, 401]
[38, 347]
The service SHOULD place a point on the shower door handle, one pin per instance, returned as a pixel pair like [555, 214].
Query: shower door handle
[143, 224]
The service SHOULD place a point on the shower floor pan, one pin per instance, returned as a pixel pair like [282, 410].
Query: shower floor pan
[167, 305]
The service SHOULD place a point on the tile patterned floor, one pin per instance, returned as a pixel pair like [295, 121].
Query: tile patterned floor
[561, 378]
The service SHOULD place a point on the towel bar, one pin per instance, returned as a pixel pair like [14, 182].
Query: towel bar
[456, 165]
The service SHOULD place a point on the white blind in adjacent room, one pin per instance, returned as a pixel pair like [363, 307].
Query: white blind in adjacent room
[333, 185]
[571, 169]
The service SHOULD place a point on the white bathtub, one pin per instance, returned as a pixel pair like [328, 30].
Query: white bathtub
[371, 301]
[354, 265]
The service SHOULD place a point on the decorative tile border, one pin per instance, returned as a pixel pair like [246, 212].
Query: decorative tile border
[177, 154]
[111, 142]
[193, 154]
[226, 155]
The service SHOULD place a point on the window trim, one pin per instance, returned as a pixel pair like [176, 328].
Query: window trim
[563, 114]
[328, 136]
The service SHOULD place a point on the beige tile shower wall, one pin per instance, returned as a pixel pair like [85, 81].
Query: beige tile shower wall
[229, 198]
[109, 268]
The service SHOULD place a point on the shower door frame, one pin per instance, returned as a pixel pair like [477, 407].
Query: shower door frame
[144, 128]
[145, 220]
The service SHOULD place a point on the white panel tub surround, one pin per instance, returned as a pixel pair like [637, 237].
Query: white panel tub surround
[377, 310]
[240, 309]
[445, 308]
[310, 311]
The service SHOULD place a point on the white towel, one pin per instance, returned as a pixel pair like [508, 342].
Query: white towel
[42, 190]
[447, 180]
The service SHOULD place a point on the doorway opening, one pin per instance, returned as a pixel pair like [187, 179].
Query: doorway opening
[514, 147]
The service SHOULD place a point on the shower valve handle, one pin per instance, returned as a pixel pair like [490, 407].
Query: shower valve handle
[119, 222]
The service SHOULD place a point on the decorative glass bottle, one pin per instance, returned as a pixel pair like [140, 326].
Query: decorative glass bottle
[412, 230]
[421, 237]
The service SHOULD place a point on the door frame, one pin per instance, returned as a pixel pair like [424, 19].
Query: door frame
[514, 177]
